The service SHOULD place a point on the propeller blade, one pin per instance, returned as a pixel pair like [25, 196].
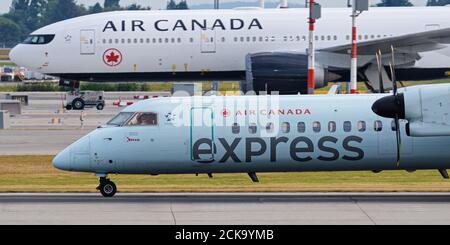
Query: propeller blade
[394, 79]
[380, 73]
[399, 139]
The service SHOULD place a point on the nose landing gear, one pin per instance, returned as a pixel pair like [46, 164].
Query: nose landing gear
[107, 187]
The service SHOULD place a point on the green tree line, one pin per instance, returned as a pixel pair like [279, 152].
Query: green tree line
[26, 16]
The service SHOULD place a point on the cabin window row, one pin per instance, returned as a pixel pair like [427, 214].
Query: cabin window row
[143, 40]
[285, 127]
[236, 39]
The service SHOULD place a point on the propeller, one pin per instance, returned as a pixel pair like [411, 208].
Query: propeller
[380, 74]
[392, 106]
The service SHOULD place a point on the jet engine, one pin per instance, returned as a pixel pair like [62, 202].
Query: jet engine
[283, 72]
[426, 107]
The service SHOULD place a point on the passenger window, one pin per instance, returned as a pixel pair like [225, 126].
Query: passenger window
[316, 127]
[361, 126]
[393, 127]
[332, 127]
[286, 127]
[347, 126]
[301, 127]
[378, 126]
[143, 119]
[269, 128]
[252, 129]
[236, 129]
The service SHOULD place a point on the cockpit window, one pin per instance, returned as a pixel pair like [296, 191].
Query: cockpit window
[143, 119]
[39, 39]
[120, 119]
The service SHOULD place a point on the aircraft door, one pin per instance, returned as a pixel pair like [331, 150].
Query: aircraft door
[387, 140]
[202, 135]
[208, 41]
[87, 42]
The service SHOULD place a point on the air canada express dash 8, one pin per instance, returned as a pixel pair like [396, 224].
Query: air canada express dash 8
[191, 135]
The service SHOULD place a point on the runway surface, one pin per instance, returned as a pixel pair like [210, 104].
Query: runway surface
[245, 208]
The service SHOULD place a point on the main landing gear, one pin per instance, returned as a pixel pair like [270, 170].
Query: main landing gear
[107, 187]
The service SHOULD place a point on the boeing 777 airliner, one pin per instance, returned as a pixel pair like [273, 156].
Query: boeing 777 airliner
[264, 48]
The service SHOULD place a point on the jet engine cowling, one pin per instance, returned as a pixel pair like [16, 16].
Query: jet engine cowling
[286, 72]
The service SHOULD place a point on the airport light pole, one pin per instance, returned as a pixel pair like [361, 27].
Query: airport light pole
[358, 6]
[315, 13]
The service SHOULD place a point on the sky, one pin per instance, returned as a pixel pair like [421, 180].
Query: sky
[159, 4]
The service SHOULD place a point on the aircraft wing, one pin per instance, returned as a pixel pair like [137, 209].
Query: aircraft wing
[410, 43]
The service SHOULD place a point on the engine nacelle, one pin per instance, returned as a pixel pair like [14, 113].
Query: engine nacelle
[427, 108]
[284, 72]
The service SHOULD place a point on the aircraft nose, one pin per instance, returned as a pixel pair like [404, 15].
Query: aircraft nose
[62, 161]
[15, 55]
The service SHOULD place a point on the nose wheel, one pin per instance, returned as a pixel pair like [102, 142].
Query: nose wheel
[107, 187]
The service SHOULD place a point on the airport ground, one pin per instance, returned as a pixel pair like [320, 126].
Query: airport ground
[227, 209]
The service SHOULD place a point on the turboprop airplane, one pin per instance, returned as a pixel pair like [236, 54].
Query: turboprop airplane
[263, 48]
[408, 130]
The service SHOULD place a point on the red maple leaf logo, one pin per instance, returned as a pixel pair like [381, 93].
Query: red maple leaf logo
[225, 113]
[112, 57]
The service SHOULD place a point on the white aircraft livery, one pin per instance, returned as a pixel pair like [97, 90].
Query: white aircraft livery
[264, 48]
[249, 134]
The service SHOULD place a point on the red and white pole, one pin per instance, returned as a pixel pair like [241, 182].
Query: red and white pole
[354, 62]
[311, 58]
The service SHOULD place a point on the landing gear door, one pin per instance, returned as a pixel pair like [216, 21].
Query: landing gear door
[202, 135]
[87, 42]
[208, 41]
